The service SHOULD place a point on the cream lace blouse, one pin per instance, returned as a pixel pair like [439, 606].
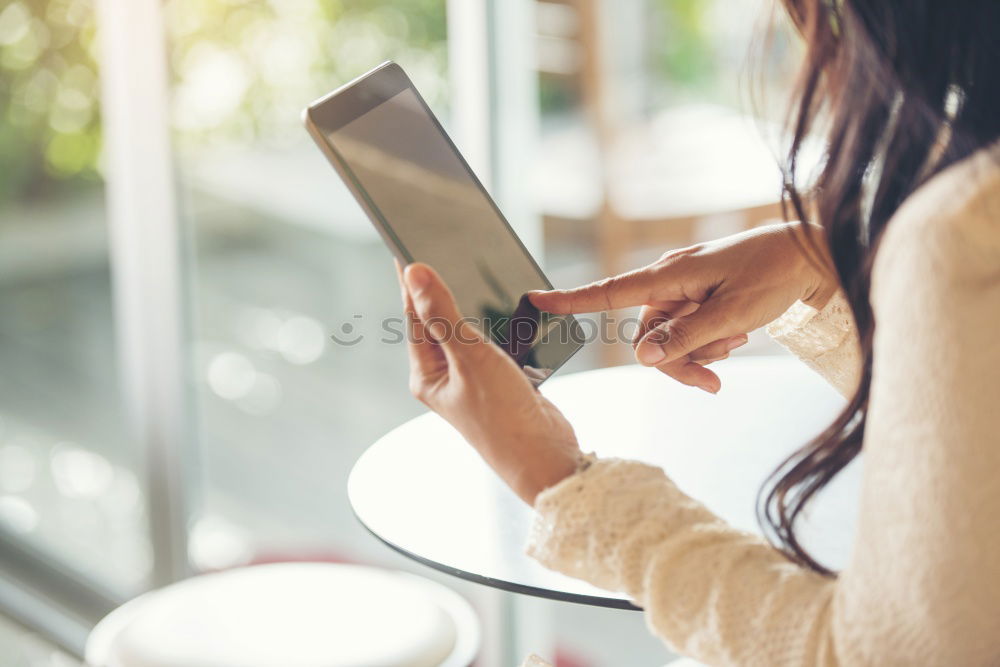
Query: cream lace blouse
[923, 583]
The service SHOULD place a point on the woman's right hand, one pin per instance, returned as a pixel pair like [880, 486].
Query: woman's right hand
[699, 303]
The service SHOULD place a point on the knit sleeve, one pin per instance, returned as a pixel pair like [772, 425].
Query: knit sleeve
[922, 585]
[826, 340]
[708, 590]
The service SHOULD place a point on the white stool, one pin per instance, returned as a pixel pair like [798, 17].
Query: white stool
[291, 615]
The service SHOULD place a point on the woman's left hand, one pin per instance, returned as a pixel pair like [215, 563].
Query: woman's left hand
[479, 389]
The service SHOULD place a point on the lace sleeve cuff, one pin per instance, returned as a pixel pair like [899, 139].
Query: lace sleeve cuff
[826, 340]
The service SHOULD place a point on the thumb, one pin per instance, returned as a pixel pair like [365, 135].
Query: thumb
[679, 337]
[435, 306]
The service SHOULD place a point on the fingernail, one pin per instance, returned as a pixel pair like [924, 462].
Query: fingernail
[735, 342]
[417, 277]
[708, 388]
[650, 354]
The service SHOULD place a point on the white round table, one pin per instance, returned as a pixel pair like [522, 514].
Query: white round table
[425, 492]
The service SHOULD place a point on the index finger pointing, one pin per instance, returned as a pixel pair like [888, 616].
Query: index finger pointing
[622, 291]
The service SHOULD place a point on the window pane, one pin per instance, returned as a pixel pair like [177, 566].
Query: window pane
[283, 258]
[67, 480]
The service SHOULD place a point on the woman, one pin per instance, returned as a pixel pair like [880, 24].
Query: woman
[891, 283]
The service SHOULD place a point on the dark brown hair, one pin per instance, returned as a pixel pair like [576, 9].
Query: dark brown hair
[899, 90]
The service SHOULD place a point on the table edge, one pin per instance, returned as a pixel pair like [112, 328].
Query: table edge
[510, 587]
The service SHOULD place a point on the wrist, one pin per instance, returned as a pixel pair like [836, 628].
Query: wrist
[540, 473]
[819, 277]
[820, 296]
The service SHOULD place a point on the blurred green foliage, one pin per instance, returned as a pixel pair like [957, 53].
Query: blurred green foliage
[50, 129]
[242, 70]
[684, 51]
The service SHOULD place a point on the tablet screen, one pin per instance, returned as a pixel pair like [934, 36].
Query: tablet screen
[426, 196]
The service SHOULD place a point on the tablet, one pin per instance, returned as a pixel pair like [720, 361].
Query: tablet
[429, 207]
